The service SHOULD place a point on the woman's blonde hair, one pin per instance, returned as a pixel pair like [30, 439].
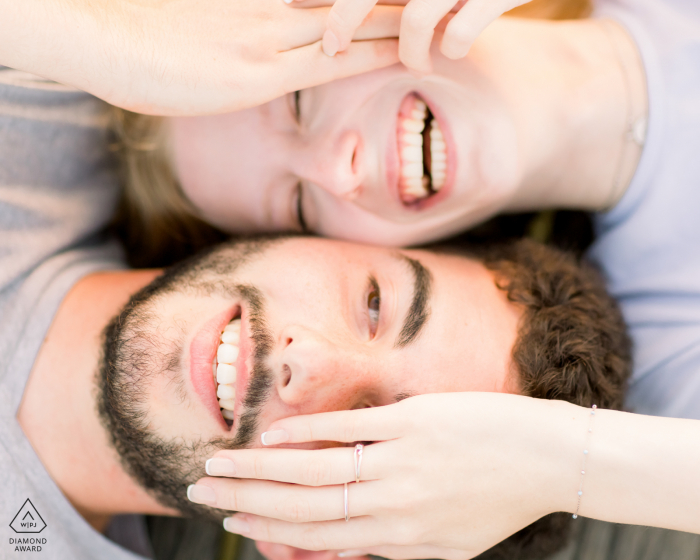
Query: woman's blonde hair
[156, 222]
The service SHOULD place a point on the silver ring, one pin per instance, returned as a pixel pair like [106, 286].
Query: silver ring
[347, 510]
[358, 461]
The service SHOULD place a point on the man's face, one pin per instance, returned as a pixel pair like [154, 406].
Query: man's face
[325, 325]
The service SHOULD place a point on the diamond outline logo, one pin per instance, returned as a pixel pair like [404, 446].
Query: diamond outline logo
[28, 509]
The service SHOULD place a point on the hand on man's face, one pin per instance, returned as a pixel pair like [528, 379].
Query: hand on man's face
[325, 326]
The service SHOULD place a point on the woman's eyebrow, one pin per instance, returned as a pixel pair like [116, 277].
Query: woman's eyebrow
[419, 311]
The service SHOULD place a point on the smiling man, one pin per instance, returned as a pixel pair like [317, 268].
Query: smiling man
[207, 355]
[217, 349]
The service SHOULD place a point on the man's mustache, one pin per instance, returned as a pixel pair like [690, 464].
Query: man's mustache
[261, 377]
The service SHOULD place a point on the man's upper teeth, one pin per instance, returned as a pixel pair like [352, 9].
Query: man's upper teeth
[414, 183]
[225, 374]
[227, 353]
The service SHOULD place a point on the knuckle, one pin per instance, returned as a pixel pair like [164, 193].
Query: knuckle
[338, 21]
[263, 531]
[232, 500]
[257, 467]
[313, 539]
[458, 35]
[350, 431]
[417, 15]
[317, 473]
[296, 511]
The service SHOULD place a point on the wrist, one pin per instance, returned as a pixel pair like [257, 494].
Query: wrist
[566, 431]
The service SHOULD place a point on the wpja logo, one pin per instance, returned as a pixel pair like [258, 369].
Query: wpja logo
[28, 519]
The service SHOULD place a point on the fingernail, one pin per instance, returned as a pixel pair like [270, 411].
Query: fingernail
[331, 44]
[201, 494]
[236, 525]
[220, 467]
[351, 553]
[274, 437]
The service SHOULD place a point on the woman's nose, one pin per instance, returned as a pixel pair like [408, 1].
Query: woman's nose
[337, 168]
[314, 369]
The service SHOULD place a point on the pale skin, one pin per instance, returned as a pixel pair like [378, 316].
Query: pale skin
[339, 359]
[466, 21]
[490, 463]
[175, 58]
[182, 58]
[537, 119]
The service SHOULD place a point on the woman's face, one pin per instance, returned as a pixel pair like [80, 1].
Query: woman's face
[380, 158]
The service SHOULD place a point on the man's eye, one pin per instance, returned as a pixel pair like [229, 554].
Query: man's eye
[373, 305]
[300, 209]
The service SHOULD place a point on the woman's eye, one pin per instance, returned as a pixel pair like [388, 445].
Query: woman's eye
[373, 305]
[297, 106]
[294, 104]
[300, 209]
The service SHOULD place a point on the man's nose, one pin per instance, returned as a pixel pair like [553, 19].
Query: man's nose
[314, 369]
[336, 165]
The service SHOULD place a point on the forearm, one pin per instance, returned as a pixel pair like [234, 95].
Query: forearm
[640, 470]
[68, 41]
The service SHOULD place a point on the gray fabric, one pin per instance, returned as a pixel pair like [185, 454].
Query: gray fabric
[649, 244]
[57, 191]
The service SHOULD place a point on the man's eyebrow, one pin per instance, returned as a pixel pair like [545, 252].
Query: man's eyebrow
[419, 311]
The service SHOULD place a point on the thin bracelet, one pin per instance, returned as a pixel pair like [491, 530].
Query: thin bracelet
[585, 456]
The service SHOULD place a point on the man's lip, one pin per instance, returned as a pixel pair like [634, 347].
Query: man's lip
[393, 163]
[203, 349]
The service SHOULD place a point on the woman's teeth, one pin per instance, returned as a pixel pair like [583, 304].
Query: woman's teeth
[225, 369]
[422, 170]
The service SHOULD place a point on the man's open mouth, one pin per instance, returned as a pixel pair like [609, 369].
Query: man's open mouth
[422, 151]
[224, 369]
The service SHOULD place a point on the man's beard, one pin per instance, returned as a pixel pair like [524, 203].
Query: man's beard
[133, 353]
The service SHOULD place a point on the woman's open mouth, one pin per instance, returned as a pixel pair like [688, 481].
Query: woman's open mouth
[422, 151]
[224, 369]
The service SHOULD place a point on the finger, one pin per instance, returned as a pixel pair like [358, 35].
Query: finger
[284, 502]
[308, 26]
[360, 532]
[469, 22]
[319, 467]
[417, 28]
[343, 20]
[319, 3]
[367, 424]
[307, 66]
[383, 22]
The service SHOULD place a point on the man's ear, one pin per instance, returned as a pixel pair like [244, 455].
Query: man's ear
[273, 551]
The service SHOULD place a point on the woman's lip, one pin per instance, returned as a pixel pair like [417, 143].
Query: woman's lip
[393, 163]
[203, 349]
